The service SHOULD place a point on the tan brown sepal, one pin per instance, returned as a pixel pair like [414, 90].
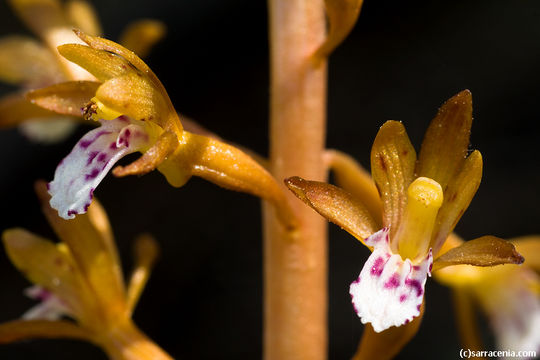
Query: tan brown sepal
[164, 146]
[68, 98]
[335, 204]
[484, 251]
[387, 344]
[15, 109]
[141, 35]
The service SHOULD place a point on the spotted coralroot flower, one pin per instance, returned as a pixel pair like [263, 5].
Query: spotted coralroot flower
[508, 295]
[79, 284]
[422, 200]
[136, 115]
[32, 64]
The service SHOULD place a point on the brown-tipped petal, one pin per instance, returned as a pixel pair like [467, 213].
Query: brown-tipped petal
[352, 177]
[467, 325]
[41, 329]
[24, 60]
[335, 204]
[140, 36]
[529, 247]
[146, 251]
[134, 96]
[457, 197]
[103, 65]
[446, 141]
[165, 145]
[342, 15]
[173, 122]
[90, 241]
[392, 166]
[387, 344]
[45, 264]
[484, 251]
[83, 15]
[68, 98]
[15, 109]
[226, 166]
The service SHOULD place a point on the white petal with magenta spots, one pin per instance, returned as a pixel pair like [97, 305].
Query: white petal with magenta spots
[93, 156]
[390, 290]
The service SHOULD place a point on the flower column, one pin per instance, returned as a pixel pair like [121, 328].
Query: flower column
[296, 261]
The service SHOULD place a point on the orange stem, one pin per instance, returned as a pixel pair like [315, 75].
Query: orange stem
[296, 261]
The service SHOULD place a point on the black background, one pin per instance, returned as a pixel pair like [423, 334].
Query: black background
[402, 61]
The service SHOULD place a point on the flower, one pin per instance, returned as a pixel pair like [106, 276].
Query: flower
[81, 278]
[31, 64]
[422, 200]
[136, 115]
[509, 296]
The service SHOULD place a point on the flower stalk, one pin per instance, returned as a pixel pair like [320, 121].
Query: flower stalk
[296, 261]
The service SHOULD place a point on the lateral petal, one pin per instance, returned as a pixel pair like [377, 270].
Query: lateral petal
[392, 165]
[41, 329]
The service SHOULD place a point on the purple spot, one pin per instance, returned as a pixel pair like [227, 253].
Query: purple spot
[407, 321]
[127, 132]
[416, 267]
[85, 143]
[92, 175]
[377, 267]
[72, 212]
[416, 285]
[418, 307]
[430, 267]
[91, 194]
[113, 146]
[101, 157]
[357, 281]
[91, 157]
[48, 186]
[86, 206]
[393, 282]
[402, 298]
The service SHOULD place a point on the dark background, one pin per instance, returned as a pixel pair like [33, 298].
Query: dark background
[402, 61]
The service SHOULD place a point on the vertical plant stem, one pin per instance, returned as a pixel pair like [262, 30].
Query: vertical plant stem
[295, 324]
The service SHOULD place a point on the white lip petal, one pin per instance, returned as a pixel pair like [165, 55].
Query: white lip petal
[93, 156]
[49, 308]
[390, 290]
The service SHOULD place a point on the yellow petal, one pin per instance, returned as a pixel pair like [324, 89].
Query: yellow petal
[226, 166]
[335, 204]
[467, 325]
[24, 60]
[484, 251]
[101, 64]
[134, 96]
[146, 252]
[529, 247]
[90, 241]
[41, 329]
[457, 197]
[140, 36]
[45, 264]
[352, 177]
[386, 344]
[68, 98]
[342, 15]
[83, 16]
[15, 109]
[164, 146]
[446, 141]
[392, 166]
